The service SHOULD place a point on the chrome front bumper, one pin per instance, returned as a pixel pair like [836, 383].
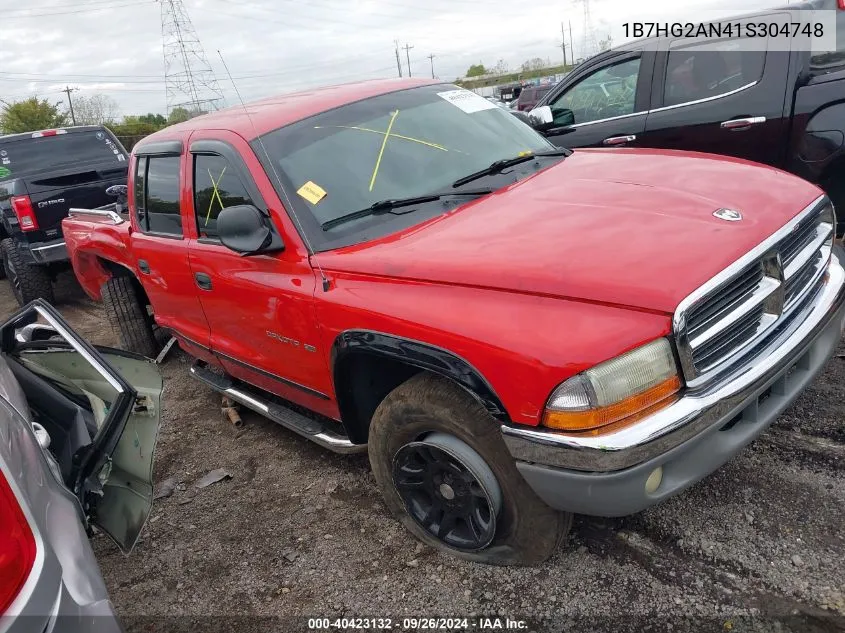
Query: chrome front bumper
[760, 389]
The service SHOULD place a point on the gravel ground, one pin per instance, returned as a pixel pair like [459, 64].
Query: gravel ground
[298, 531]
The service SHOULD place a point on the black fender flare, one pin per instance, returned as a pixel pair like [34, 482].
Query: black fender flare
[409, 352]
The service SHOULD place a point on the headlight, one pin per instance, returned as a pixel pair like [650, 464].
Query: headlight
[634, 384]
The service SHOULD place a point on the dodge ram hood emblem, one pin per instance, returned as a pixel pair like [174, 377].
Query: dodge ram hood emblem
[729, 215]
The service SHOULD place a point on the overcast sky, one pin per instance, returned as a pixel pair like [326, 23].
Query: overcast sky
[114, 47]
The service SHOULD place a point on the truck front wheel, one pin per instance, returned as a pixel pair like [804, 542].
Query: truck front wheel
[128, 316]
[27, 282]
[446, 475]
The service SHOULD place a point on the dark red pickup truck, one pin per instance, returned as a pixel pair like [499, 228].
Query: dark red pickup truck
[514, 332]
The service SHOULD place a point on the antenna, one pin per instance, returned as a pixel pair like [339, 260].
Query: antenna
[189, 80]
[288, 202]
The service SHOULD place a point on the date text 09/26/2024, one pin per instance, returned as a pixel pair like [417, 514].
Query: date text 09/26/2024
[417, 624]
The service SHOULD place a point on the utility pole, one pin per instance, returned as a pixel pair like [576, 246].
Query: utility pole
[408, 57]
[563, 43]
[431, 59]
[571, 44]
[398, 63]
[68, 90]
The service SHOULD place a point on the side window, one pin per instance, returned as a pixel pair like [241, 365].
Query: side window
[162, 200]
[140, 187]
[608, 92]
[707, 70]
[823, 61]
[216, 186]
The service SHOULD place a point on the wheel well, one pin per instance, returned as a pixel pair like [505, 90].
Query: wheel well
[362, 381]
[119, 270]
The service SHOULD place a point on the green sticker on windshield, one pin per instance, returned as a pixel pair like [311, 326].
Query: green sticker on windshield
[5, 172]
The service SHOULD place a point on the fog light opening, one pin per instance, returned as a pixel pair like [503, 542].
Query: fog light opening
[654, 480]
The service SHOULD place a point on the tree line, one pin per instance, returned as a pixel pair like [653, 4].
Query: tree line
[39, 114]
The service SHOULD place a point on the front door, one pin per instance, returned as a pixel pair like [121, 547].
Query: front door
[159, 245]
[260, 308]
[604, 106]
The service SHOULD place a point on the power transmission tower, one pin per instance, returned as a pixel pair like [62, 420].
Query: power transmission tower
[589, 46]
[407, 48]
[189, 80]
[398, 63]
[431, 59]
[68, 90]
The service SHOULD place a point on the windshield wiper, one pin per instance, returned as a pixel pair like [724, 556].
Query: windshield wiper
[385, 206]
[499, 165]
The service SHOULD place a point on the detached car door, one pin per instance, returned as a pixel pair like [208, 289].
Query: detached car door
[722, 97]
[98, 413]
[604, 103]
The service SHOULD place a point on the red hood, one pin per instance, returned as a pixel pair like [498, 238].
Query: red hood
[626, 227]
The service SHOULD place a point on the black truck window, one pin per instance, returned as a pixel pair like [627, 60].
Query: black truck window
[216, 186]
[701, 71]
[827, 60]
[23, 156]
[161, 206]
[606, 93]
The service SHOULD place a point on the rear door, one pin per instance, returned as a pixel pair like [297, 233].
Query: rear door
[723, 97]
[121, 394]
[603, 104]
[158, 241]
[61, 169]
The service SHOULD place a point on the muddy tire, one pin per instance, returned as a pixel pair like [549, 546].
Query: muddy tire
[526, 530]
[128, 316]
[27, 282]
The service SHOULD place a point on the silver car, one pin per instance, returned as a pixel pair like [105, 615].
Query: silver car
[78, 428]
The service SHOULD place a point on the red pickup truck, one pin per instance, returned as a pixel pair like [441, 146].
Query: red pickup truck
[514, 332]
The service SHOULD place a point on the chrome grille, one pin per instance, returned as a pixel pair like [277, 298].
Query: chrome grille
[733, 312]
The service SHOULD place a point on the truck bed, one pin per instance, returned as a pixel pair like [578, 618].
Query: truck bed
[92, 234]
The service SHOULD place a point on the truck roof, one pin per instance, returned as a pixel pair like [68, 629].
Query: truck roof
[274, 112]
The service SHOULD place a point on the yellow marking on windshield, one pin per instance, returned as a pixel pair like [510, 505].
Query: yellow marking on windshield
[214, 194]
[381, 151]
[404, 138]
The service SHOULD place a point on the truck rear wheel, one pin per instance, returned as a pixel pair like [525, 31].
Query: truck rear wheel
[27, 282]
[128, 316]
[446, 475]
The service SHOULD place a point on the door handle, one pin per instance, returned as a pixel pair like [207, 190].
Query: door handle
[742, 124]
[619, 140]
[143, 266]
[203, 281]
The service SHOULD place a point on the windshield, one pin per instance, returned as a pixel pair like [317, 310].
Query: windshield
[28, 155]
[398, 145]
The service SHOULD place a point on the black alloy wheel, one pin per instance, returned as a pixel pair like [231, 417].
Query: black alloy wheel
[449, 491]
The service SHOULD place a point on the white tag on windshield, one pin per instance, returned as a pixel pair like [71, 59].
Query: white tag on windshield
[467, 101]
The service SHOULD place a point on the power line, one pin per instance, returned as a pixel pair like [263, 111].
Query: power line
[45, 15]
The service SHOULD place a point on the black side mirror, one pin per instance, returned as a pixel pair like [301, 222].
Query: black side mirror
[563, 117]
[244, 229]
